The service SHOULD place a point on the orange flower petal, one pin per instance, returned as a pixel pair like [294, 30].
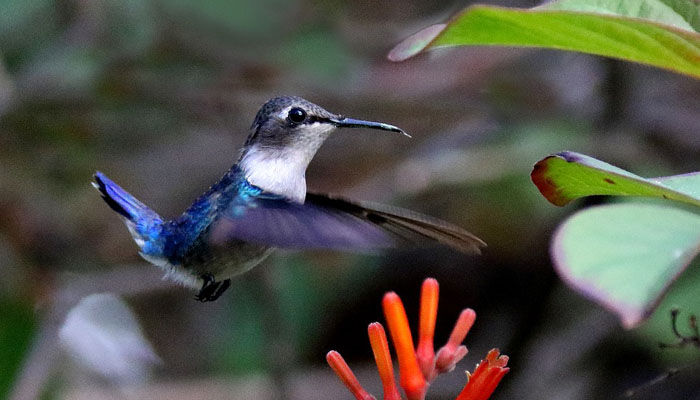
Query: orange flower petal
[410, 375]
[462, 327]
[341, 368]
[380, 348]
[450, 354]
[426, 330]
[486, 377]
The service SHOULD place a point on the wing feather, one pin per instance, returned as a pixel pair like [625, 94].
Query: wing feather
[331, 222]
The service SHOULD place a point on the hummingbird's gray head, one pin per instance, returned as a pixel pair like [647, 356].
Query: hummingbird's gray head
[285, 135]
[292, 121]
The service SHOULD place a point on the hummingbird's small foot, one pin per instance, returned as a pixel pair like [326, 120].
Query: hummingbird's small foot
[221, 289]
[211, 289]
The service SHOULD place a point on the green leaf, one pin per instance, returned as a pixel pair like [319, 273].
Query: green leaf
[662, 33]
[682, 14]
[683, 295]
[625, 256]
[566, 176]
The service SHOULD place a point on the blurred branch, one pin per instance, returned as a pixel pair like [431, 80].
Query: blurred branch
[615, 93]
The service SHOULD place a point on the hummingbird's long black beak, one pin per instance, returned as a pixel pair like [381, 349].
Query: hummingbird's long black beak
[343, 122]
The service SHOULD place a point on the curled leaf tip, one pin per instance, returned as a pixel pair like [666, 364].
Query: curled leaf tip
[568, 156]
[415, 43]
[541, 177]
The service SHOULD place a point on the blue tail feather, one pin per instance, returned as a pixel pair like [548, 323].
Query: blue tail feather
[145, 221]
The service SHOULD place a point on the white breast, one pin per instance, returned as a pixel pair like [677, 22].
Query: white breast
[283, 173]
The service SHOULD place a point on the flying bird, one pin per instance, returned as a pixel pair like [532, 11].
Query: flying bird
[261, 203]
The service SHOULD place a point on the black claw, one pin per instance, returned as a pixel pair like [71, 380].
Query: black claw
[220, 289]
[208, 288]
[211, 289]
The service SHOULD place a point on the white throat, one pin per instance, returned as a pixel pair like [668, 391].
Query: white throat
[282, 169]
[276, 171]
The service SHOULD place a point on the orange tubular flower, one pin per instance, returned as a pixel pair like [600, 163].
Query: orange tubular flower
[410, 375]
[380, 348]
[341, 368]
[426, 328]
[485, 378]
[449, 355]
[418, 368]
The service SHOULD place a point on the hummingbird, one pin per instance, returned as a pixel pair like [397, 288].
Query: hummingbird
[261, 203]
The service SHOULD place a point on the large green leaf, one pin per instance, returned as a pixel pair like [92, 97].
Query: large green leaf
[566, 176]
[662, 33]
[625, 256]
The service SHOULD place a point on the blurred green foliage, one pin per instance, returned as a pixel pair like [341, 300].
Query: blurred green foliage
[17, 327]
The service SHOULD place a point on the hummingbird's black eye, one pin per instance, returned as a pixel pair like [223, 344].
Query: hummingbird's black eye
[296, 115]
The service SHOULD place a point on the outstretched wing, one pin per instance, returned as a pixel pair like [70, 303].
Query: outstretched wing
[324, 221]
